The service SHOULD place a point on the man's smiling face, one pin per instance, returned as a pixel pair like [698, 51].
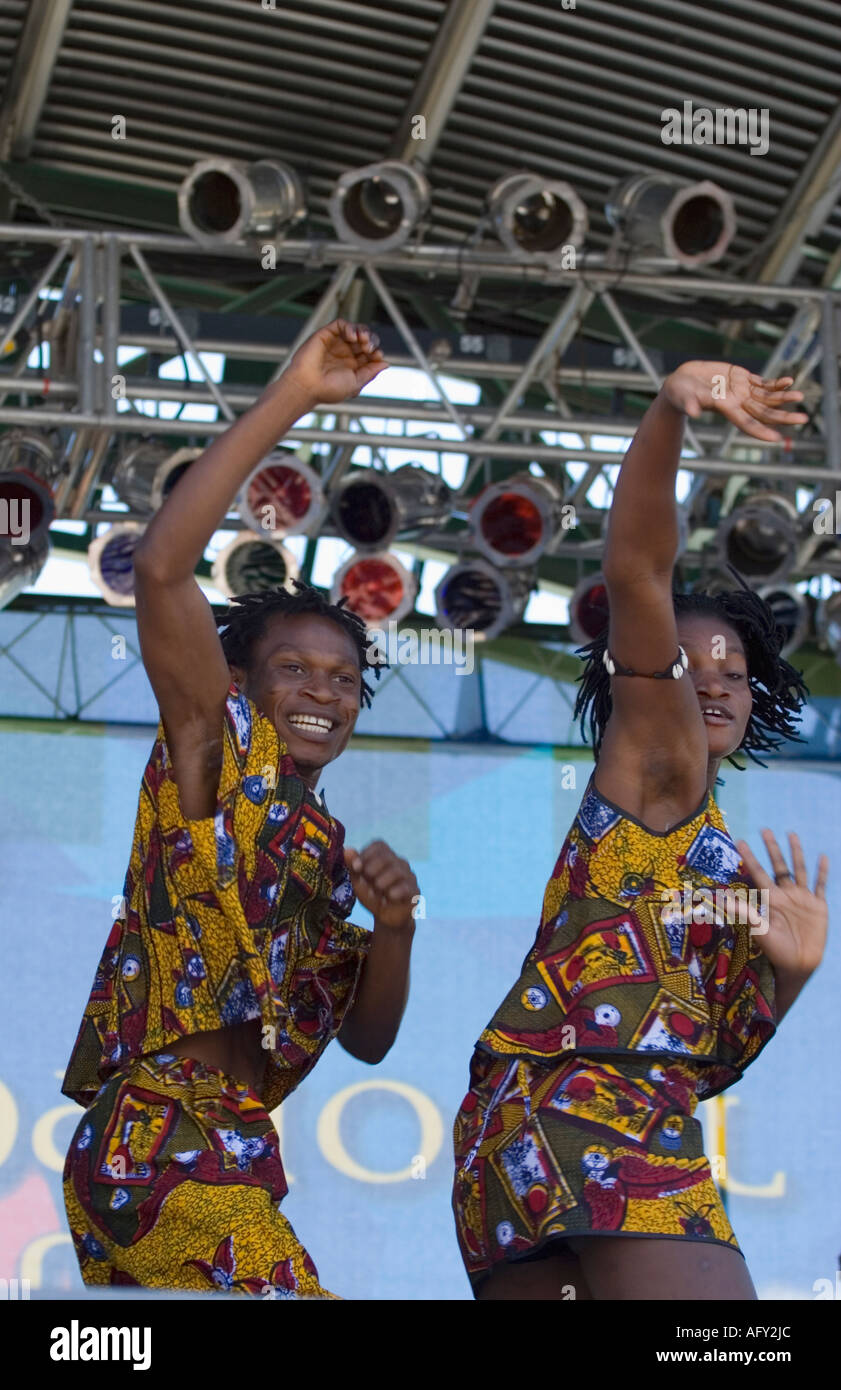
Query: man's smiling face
[304, 675]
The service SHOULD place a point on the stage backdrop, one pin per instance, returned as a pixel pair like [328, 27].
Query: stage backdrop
[368, 1149]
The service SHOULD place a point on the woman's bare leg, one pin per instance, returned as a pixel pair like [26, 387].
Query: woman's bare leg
[622, 1267]
[558, 1277]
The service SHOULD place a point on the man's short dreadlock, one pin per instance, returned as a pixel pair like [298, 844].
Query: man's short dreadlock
[778, 690]
[248, 614]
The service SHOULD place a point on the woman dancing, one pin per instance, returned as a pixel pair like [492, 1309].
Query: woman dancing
[578, 1132]
[232, 964]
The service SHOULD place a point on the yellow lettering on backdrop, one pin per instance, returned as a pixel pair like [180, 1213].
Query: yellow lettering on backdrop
[8, 1122]
[330, 1140]
[775, 1188]
[43, 1143]
[32, 1259]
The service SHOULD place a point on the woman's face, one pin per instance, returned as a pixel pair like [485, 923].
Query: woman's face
[719, 672]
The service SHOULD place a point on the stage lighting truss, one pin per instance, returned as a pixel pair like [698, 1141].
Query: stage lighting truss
[377, 207]
[252, 564]
[513, 522]
[691, 223]
[759, 538]
[282, 497]
[111, 562]
[226, 200]
[533, 216]
[20, 566]
[474, 596]
[377, 588]
[29, 470]
[791, 612]
[146, 475]
[370, 506]
[588, 608]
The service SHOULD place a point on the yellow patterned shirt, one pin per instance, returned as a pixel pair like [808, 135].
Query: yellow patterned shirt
[638, 951]
[238, 916]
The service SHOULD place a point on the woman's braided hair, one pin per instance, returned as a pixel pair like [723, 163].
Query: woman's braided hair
[778, 690]
[247, 615]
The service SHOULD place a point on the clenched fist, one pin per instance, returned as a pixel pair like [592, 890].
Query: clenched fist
[384, 884]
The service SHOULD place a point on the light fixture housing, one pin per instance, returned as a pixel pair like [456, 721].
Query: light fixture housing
[828, 623]
[20, 566]
[791, 613]
[477, 597]
[537, 217]
[222, 201]
[253, 564]
[691, 222]
[377, 207]
[588, 608]
[759, 538]
[111, 562]
[371, 506]
[147, 473]
[29, 471]
[282, 497]
[512, 522]
[378, 588]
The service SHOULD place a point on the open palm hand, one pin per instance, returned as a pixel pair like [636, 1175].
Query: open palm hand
[793, 935]
[755, 405]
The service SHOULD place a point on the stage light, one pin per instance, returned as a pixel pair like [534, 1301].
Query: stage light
[474, 596]
[252, 564]
[29, 470]
[377, 588]
[691, 223]
[20, 566]
[111, 562]
[145, 476]
[370, 507]
[377, 208]
[791, 613]
[533, 216]
[227, 200]
[828, 624]
[588, 608]
[759, 538]
[282, 497]
[512, 522]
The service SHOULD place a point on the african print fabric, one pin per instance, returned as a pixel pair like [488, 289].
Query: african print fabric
[640, 996]
[237, 916]
[173, 1180]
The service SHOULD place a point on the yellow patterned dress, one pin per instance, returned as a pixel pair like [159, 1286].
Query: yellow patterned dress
[173, 1178]
[644, 992]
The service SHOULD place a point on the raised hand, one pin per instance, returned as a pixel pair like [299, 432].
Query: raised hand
[384, 884]
[336, 362]
[797, 915]
[755, 405]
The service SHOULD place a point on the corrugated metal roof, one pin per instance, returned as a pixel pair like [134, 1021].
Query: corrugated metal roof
[324, 84]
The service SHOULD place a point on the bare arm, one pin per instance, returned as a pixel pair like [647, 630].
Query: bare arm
[181, 649]
[655, 738]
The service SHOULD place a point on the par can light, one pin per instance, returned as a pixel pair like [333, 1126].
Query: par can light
[111, 562]
[370, 506]
[691, 223]
[225, 200]
[377, 588]
[20, 566]
[759, 538]
[533, 216]
[377, 207]
[282, 497]
[252, 564]
[512, 522]
[146, 475]
[791, 613]
[588, 608]
[29, 471]
[474, 596]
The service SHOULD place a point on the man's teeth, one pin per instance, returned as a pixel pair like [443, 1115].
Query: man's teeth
[310, 721]
[710, 709]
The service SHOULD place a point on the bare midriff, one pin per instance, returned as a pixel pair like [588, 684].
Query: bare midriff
[236, 1050]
